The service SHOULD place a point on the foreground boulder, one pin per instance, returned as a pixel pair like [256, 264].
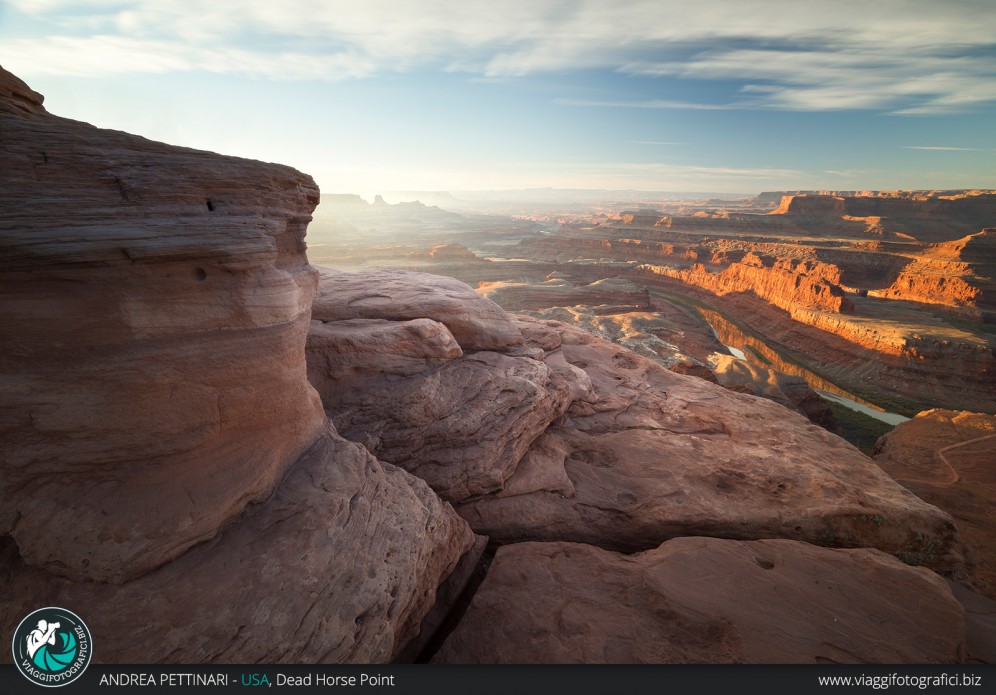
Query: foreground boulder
[571, 438]
[340, 565]
[657, 455]
[705, 600]
[398, 295]
[406, 390]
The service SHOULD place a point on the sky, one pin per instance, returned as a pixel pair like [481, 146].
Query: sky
[378, 95]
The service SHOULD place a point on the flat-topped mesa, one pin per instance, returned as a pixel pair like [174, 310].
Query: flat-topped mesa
[973, 208]
[820, 205]
[957, 275]
[142, 285]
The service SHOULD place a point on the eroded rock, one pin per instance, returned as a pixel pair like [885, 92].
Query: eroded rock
[340, 565]
[787, 389]
[706, 600]
[948, 458]
[396, 295]
[657, 455]
[142, 286]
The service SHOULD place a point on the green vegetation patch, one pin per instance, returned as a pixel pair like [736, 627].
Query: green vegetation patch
[857, 428]
[920, 551]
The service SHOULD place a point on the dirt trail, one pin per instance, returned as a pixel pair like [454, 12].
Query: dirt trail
[953, 475]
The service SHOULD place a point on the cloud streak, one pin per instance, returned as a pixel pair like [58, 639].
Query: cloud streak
[943, 149]
[651, 104]
[910, 57]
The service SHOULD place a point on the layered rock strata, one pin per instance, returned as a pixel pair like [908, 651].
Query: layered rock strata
[166, 463]
[785, 284]
[141, 283]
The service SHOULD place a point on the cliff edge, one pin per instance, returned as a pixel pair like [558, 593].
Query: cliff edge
[164, 457]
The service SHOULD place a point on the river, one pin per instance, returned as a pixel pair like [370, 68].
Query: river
[757, 352]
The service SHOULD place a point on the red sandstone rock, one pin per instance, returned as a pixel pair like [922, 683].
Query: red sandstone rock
[358, 349]
[935, 216]
[475, 322]
[704, 600]
[948, 458]
[154, 303]
[660, 455]
[340, 565]
[957, 275]
[784, 285]
[788, 390]
[403, 390]
[159, 432]
[980, 613]
[696, 370]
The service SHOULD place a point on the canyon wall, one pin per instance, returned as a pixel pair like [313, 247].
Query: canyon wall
[973, 208]
[786, 285]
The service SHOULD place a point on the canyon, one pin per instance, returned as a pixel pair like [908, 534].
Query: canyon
[263, 461]
[888, 295]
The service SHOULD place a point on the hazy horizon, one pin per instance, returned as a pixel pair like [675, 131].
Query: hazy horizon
[723, 97]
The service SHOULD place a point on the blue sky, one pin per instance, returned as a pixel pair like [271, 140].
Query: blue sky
[735, 96]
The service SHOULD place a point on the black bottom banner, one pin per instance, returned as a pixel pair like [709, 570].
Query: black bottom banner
[519, 680]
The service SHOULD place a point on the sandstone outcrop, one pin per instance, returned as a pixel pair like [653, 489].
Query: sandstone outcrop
[784, 284]
[405, 389]
[791, 391]
[948, 458]
[659, 455]
[956, 275]
[476, 323]
[577, 439]
[167, 468]
[339, 565]
[141, 284]
[684, 602]
[933, 214]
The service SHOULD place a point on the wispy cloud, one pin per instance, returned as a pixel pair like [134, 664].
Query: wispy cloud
[651, 104]
[943, 149]
[115, 55]
[841, 76]
[668, 169]
[909, 57]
